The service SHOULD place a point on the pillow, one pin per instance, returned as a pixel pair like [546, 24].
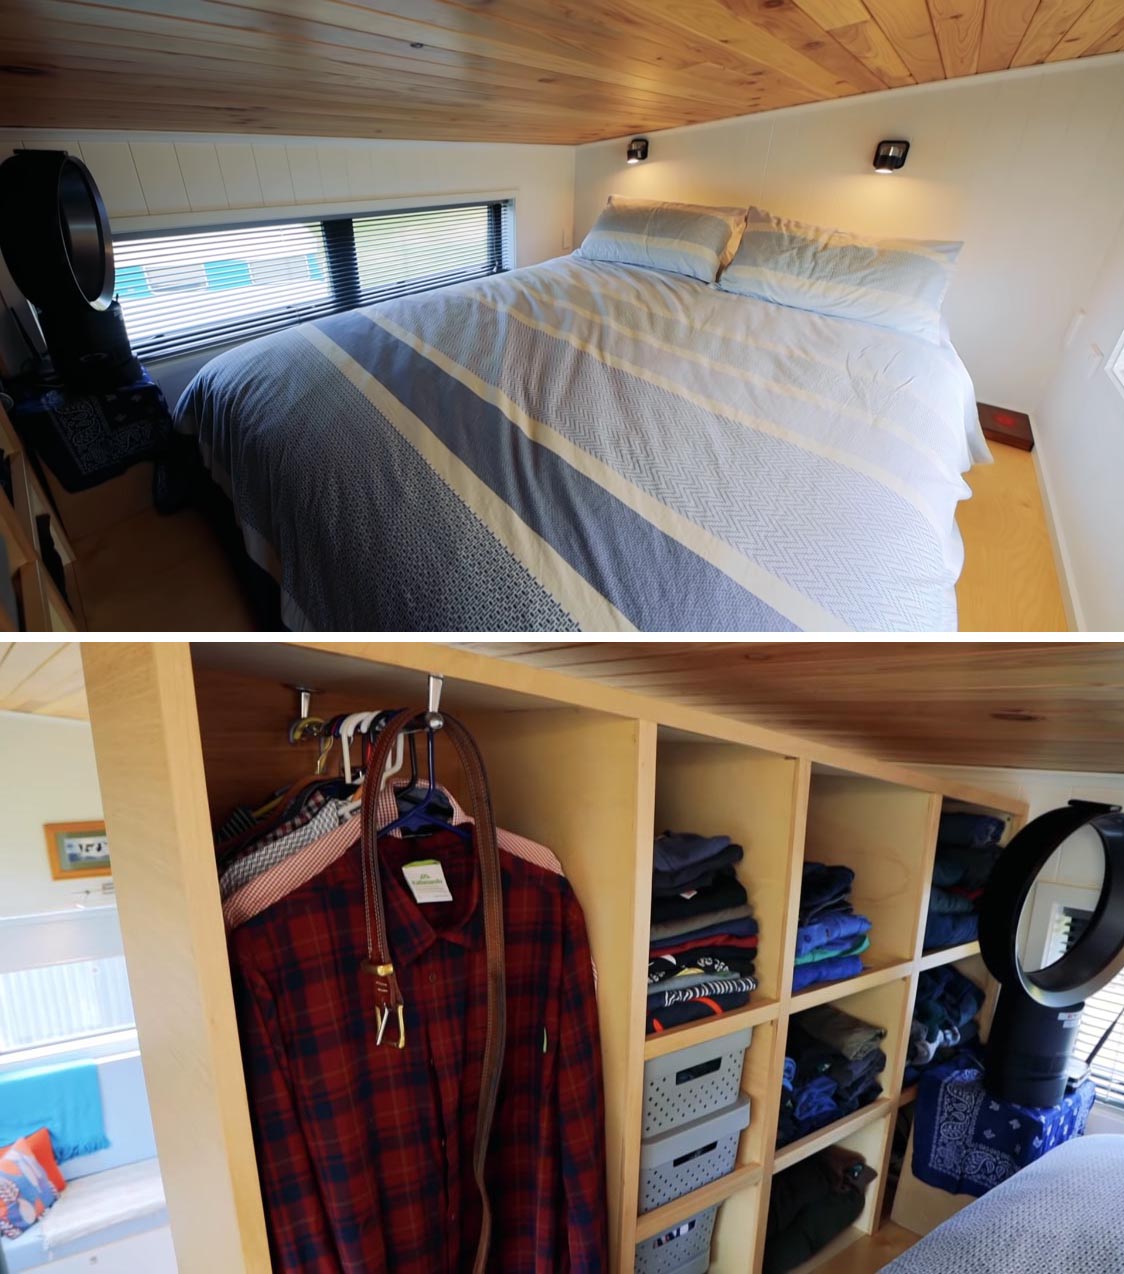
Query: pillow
[26, 1191]
[41, 1148]
[683, 238]
[898, 283]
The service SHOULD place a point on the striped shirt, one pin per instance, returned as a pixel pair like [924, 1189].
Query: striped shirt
[295, 870]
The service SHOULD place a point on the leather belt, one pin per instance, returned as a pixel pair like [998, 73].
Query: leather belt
[379, 963]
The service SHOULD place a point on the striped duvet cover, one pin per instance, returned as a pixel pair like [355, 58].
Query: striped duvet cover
[581, 445]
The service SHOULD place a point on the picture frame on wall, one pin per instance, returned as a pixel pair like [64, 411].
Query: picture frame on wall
[77, 849]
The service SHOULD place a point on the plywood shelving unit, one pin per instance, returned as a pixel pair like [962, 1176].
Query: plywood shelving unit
[183, 733]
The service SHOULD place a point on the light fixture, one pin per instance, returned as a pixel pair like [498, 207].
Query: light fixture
[890, 156]
[637, 150]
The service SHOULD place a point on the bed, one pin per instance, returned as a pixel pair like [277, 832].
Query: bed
[1060, 1215]
[585, 446]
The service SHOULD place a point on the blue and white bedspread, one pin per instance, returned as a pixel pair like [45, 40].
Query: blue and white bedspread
[587, 446]
[1062, 1215]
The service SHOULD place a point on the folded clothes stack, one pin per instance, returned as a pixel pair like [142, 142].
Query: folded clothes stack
[967, 847]
[703, 935]
[812, 1202]
[831, 1069]
[944, 1022]
[831, 937]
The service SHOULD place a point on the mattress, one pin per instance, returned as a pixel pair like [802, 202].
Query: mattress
[1061, 1214]
[582, 446]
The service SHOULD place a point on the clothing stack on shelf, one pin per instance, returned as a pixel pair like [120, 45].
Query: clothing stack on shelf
[967, 848]
[811, 1203]
[391, 1091]
[944, 1020]
[831, 1069]
[831, 937]
[703, 934]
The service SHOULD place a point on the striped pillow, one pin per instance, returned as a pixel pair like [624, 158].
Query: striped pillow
[682, 238]
[898, 283]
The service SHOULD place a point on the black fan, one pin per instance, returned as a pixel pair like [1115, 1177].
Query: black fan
[1030, 1047]
[55, 240]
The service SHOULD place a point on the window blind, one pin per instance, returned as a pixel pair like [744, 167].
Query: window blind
[1100, 1010]
[200, 288]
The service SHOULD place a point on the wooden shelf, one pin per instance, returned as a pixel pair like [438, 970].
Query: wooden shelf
[832, 1133]
[710, 1028]
[44, 607]
[649, 1224]
[948, 955]
[907, 1096]
[196, 730]
[829, 992]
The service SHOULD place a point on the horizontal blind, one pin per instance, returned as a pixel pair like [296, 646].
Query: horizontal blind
[188, 291]
[1100, 1010]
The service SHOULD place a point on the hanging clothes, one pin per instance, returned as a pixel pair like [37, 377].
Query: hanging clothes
[280, 874]
[365, 1152]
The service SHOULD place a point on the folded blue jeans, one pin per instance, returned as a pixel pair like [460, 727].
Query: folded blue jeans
[950, 930]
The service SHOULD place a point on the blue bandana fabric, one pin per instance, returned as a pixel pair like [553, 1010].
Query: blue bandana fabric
[967, 1142]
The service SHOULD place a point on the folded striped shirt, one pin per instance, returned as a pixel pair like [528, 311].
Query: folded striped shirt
[662, 998]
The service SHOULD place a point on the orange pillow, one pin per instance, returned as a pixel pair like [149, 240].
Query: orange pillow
[40, 1145]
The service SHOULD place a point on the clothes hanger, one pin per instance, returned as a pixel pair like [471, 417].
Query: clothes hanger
[427, 814]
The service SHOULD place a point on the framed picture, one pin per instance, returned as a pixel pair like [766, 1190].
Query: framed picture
[77, 849]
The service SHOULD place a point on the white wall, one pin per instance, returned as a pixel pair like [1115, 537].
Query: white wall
[1080, 430]
[162, 180]
[1024, 167]
[48, 775]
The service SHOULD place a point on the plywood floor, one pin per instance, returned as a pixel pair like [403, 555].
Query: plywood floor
[149, 573]
[871, 1253]
[1009, 580]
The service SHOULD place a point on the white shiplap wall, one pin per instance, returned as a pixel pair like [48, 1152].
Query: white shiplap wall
[1026, 167]
[161, 181]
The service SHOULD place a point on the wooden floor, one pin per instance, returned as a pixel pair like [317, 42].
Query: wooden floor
[168, 574]
[1009, 580]
[870, 1253]
[160, 574]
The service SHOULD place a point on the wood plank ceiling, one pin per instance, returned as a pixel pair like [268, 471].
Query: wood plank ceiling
[43, 677]
[500, 70]
[1034, 705]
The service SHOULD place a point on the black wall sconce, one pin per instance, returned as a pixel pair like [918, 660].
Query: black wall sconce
[637, 150]
[890, 156]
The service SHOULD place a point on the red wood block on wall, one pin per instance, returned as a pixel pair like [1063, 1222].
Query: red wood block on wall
[1000, 424]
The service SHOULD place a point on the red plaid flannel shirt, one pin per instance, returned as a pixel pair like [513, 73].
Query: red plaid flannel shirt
[365, 1152]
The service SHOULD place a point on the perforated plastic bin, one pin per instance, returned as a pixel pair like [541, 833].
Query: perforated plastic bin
[693, 1082]
[681, 1249]
[692, 1155]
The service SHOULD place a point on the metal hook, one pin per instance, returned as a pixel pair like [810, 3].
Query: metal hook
[433, 718]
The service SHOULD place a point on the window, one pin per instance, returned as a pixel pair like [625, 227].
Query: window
[63, 1002]
[62, 978]
[1115, 365]
[210, 287]
[1067, 923]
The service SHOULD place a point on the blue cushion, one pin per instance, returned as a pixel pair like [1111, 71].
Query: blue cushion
[682, 238]
[895, 283]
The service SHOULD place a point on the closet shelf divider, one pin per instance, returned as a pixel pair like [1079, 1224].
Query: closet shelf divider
[651, 1223]
[833, 1133]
